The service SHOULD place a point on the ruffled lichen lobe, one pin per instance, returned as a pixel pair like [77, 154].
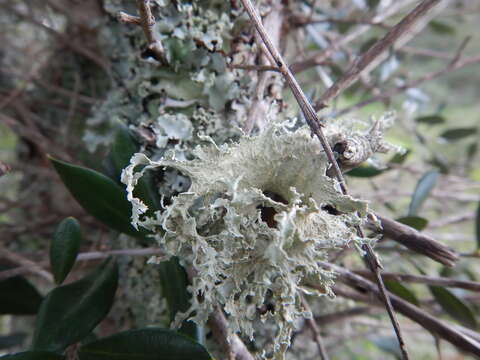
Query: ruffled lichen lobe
[258, 217]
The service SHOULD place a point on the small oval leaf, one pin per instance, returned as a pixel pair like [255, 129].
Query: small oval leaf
[33, 355]
[458, 133]
[441, 28]
[415, 222]
[431, 119]
[454, 306]
[144, 344]
[99, 195]
[18, 296]
[64, 248]
[365, 171]
[422, 190]
[401, 290]
[70, 312]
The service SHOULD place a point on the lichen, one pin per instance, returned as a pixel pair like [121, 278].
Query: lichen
[257, 218]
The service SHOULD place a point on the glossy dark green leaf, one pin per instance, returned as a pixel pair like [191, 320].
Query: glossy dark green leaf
[64, 248]
[18, 296]
[441, 28]
[70, 312]
[144, 344]
[123, 148]
[458, 133]
[477, 226]
[365, 171]
[8, 341]
[422, 191]
[402, 291]
[174, 282]
[431, 119]
[99, 195]
[415, 222]
[33, 355]
[454, 306]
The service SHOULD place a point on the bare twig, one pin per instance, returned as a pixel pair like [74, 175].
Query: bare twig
[147, 21]
[315, 332]
[18, 259]
[418, 242]
[316, 127]
[33, 267]
[428, 280]
[230, 342]
[373, 52]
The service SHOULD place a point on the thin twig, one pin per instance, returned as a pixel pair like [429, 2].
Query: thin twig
[147, 21]
[312, 323]
[374, 51]
[428, 280]
[18, 259]
[230, 342]
[316, 128]
[417, 241]
[33, 267]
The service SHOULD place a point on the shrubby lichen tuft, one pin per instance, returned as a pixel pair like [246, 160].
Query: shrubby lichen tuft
[257, 218]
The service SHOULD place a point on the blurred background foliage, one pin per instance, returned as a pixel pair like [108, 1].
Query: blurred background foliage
[56, 68]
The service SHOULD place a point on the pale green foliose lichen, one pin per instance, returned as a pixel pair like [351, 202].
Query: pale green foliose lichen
[253, 225]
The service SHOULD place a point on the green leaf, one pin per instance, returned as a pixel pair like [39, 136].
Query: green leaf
[458, 133]
[99, 195]
[123, 148]
[144, 344]
[64, 248]
[174, 282]
[70, 312]
[400, 158]
[415, 222]
[472, 149]
[431, 119]
[33, 355]
[402, 291]
[477, 226]
[367, 44]
[422, 191]
[8, 341]
[441, 28]
[18, 296]
[454, 306]
[365, 171]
